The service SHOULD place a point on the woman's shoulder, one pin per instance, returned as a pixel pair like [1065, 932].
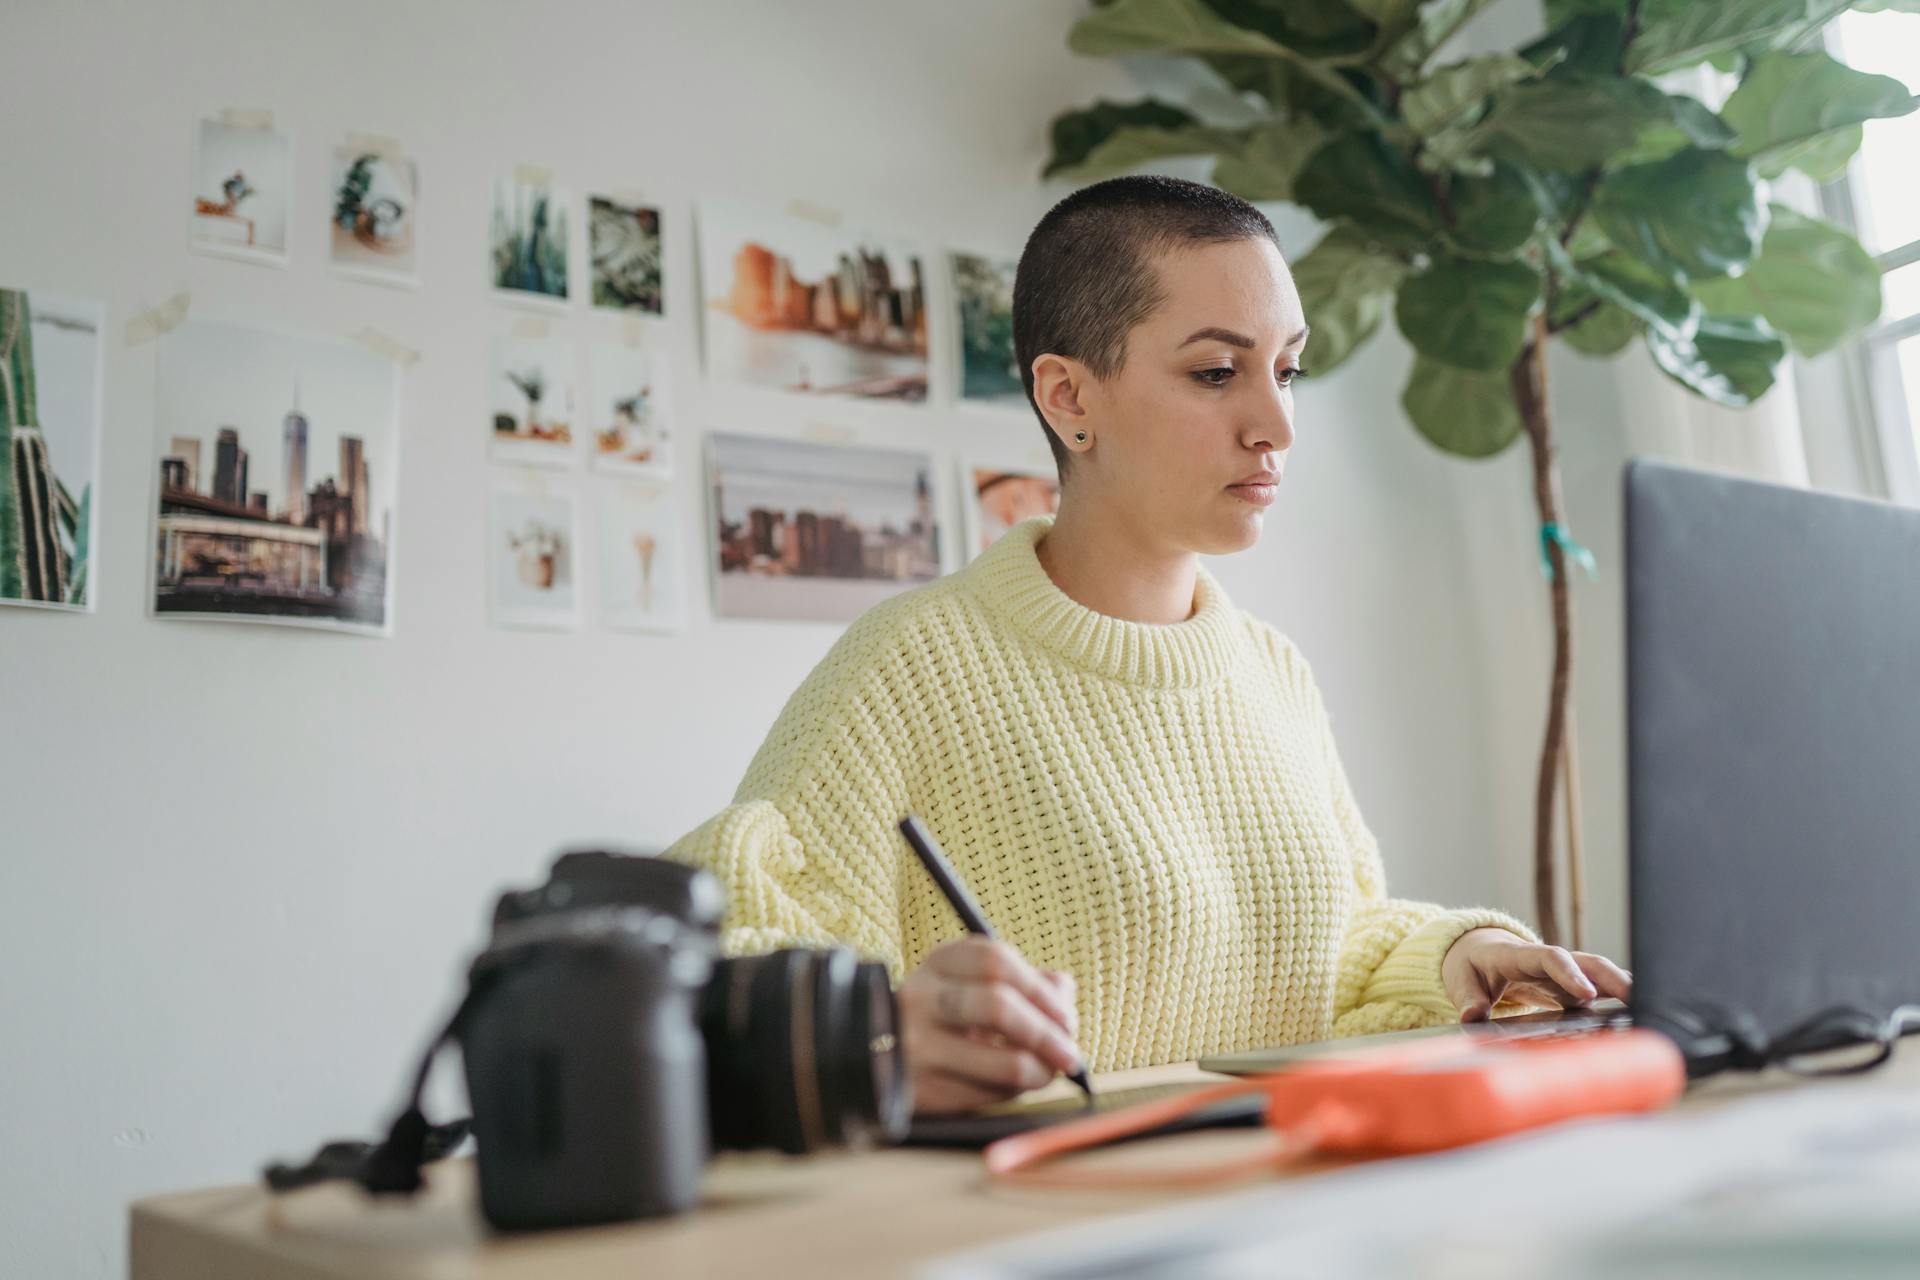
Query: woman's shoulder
[1274, 646]
[1284, 659]
[885, 642]
[906, 621]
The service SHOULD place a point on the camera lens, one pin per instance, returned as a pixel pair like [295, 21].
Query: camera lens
[802, 1052]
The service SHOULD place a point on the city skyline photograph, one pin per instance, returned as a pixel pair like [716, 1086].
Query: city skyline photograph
[817, 532]
[278, 462]
[796, 305]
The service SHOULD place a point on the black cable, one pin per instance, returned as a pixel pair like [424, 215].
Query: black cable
[1717, 1038]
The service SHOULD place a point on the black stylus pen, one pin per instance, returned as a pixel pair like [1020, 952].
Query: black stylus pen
[956, 893]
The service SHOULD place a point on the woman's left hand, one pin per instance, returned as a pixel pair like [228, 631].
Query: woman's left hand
[1487, 965]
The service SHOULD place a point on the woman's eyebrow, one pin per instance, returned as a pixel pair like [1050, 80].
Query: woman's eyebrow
[1239, 339]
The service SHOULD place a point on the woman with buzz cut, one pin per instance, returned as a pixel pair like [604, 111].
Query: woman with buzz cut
[1136, 779]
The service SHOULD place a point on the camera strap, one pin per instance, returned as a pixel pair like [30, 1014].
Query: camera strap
[391, 1167]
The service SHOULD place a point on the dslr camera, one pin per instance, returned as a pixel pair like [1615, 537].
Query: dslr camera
[610, 1049]
[615, 1048]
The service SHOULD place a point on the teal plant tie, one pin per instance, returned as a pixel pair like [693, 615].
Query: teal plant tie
[1552, 532]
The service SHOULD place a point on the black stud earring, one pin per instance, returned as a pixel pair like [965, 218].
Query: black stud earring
[1081, 437]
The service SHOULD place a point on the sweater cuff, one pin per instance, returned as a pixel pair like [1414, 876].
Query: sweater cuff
[1411, 972]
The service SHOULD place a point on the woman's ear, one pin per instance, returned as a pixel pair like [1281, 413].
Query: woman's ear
[1059, 384]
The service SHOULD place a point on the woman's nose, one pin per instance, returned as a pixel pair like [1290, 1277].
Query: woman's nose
[1271, 428]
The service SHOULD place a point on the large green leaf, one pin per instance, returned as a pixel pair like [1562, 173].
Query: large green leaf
[1731, 360]
[1570, 124]
[1588, 322]
[1360, 178]
[1604, 331]
[1317, 28]
[1164, 26]
[1292, 90]
[1558, 12]
[1679, 33]
[1878, 6]
[1388, 13]
[1437, 22]
[1646, 292]
[1790, 102]
[1690, 123]
[1265, 163]
[1811, 281]
[1492, 214]
[1345, 284]
[1697, 212]
[1823, 158]
[1113, 137]
[1469, 314]
[1460, 411]
[1585, 44]
[1458, 92]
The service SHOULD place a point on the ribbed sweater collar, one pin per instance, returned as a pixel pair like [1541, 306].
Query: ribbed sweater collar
[1009, 579]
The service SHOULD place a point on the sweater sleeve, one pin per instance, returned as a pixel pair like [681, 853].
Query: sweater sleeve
[1388, 974]
[807, 849]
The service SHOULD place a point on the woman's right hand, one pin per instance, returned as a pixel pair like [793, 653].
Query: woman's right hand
[979, 1024]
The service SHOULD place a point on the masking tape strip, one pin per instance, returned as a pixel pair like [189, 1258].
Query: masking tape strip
[379, 144]
[246, 118]
[827, 432]
[533, 175]
[150, 324]
[633, 332]
[533, 482]
[531, 327]
[632, 197]
[814, 212]
[641, 490]
[383, 345]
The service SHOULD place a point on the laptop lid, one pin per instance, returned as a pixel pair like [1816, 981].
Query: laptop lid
[1773, 741]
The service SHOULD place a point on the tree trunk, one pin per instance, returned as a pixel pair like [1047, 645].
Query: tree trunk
[1528, 377]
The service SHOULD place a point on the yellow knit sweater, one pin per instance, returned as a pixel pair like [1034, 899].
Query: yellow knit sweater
[1158, 810]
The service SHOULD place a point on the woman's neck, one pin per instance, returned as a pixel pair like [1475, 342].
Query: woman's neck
[1098, 558]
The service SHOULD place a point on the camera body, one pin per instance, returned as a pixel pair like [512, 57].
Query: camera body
[610, 1048]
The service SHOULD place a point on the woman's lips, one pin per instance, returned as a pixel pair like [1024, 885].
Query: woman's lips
[1260, 493]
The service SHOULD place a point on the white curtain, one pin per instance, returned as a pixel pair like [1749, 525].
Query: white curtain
[1764, 441]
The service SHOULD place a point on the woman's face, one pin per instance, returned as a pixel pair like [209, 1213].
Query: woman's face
[1203, 402]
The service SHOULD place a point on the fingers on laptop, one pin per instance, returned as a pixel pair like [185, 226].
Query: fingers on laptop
[1609, 977]
[1546, 977]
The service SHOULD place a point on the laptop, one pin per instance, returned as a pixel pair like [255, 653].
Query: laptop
[1773, 766]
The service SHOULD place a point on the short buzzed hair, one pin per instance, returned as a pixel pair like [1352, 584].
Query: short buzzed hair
[1086, 277]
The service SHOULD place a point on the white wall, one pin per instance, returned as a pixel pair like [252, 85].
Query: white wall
[232, 918]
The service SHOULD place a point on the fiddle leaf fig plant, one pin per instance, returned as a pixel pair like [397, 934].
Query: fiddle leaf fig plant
[1495, 202]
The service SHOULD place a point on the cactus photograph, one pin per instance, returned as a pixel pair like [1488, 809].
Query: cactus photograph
[49, 447]
[529, 239]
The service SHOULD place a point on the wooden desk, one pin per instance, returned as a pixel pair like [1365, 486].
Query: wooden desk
[875, 1214]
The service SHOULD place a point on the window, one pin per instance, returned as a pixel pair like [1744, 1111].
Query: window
[1880, 200]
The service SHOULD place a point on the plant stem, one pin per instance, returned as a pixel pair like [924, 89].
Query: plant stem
[1576, 872]
[1528, 377]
